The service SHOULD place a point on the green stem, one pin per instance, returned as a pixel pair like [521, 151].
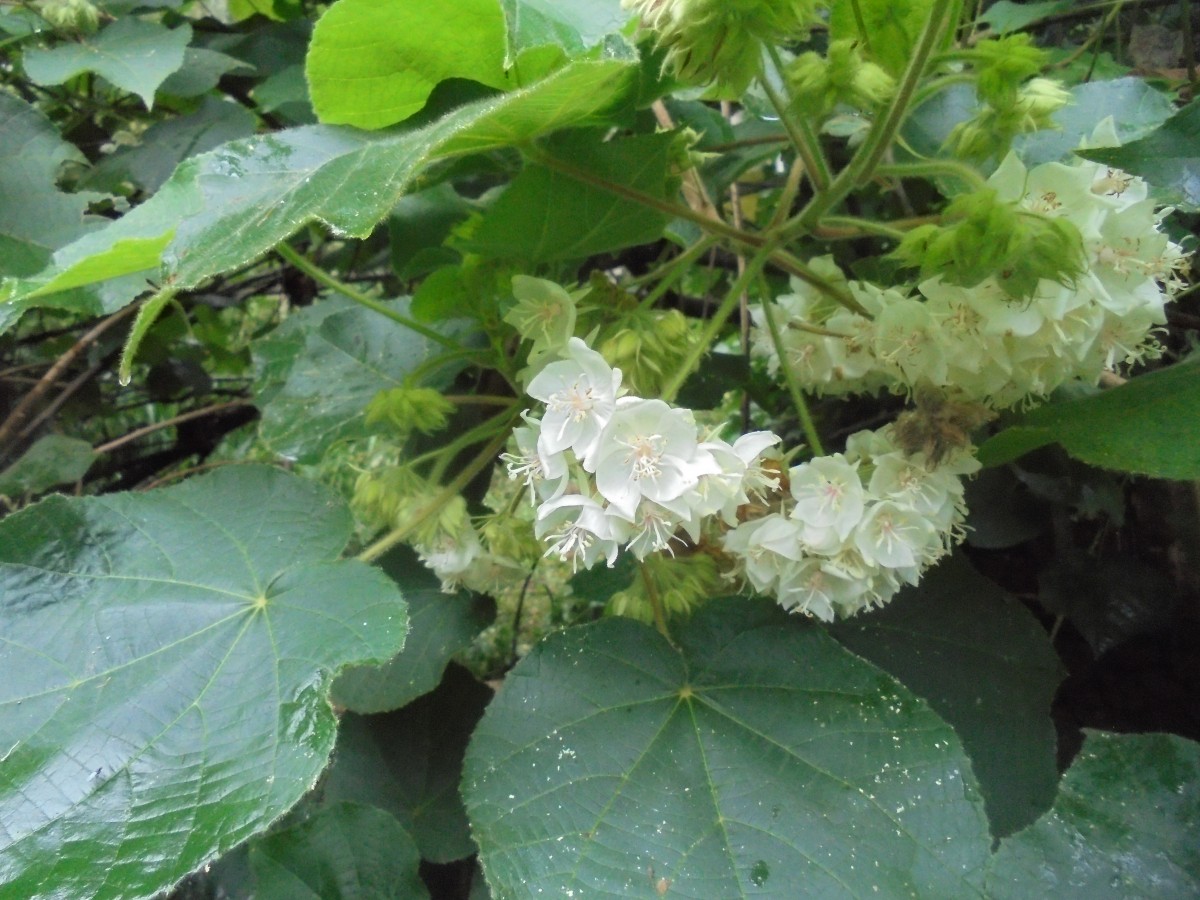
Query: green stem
[447, 452]
[854, 227]
[932, 168]
[794, 266]
[397, 535]
[789, 378]
[146, 317]
[862, 166]
[713, 326]
[319, 275]
[676, 269]
[660, 618]
[799, 129]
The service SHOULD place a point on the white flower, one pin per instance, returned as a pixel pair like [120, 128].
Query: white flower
[896, 536]
[649, 449]
[828, 494]
[580, 394]
[580, 529]
[452, 557]
[546, 475]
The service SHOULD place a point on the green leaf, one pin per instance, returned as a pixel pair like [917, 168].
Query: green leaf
[132, 54]
[317, 372]
[987, 667]
[442, 624]
[53, 460]
[545, 215]
[892, 28]
[1005, 16]
[1168, 158]
[373, 63]
[409, 762]
[1148, 426]
[571, 24]
[229, 206]
[33, 153]
[164, 672]
[1124, 825]
[421, 221]
[759, 757]
[167, 143]
[1135, 108]
[344, 852]
[202, 69]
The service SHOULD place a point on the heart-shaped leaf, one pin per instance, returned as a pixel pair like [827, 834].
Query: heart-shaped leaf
[344, 852]
[1124, 825]
[760, 757]
[164, 672]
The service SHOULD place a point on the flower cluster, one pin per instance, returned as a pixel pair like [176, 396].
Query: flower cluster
[979, 342]
[610, 470]
[861, 524]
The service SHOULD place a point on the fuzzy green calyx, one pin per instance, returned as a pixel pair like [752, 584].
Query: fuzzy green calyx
[843, 75]
[989, 237]
[409, 409]
[544, 314]
[648, 347]
[720, 40]
[1002, 65]
[680, 583]
[70, 16]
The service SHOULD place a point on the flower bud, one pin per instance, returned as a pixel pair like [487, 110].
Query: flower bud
[410, 409]
[71, 16]
[720, 40]
[842, 76]
[988, 236]
[680, 583]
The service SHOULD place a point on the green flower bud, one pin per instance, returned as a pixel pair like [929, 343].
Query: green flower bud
[721, 40]
[1002, 65]
[842, 76]
[991, 131]
[985, 237]
[648, 347]
[410, 409]
[511, 536]
[681, 583]
[71, 16]
[545, 314]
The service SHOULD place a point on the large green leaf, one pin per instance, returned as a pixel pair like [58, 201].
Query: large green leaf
[55, 459]
[132, 54]
[891, 27]
[373, 63]
[1124, 825]
[409, 762]
[1135, 108]
[571, 24]
[1168, 158]
[1005, 16]
[1148, 426]
[33, 153]
[344, 852]
[317, 373]
[545, 215]
[167, 143]
[442, 624]
[164, 669]
[986, 666]
[229, 206]
[758, 758]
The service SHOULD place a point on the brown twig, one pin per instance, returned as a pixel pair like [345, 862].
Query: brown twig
[167, 423]
[22, 409]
